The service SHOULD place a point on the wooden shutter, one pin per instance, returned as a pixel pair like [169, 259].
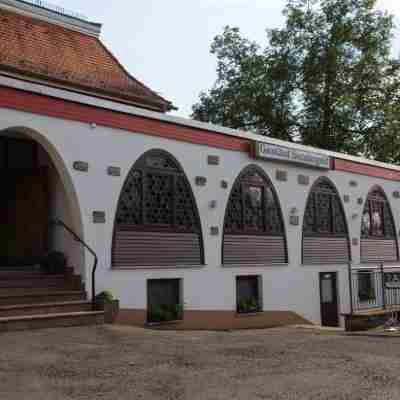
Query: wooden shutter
[325, 250]
[252, 249]
[155, 249]
[378, 250]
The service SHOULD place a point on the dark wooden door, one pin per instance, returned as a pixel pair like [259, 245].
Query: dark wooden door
[23, 216]
[329, 299]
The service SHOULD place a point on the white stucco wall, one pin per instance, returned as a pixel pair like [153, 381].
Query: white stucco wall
[60, 208]
[212, 287]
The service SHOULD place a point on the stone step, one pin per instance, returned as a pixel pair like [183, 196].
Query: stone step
[40, 296]
[43, 281]
[12, 274]
[22, 291]
[51, 320]
[15, 310]
[15, 274]
[21, 268]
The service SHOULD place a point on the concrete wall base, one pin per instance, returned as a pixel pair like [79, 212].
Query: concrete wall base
[215, 320]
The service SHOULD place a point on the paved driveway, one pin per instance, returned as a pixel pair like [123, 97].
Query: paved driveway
[128, 363]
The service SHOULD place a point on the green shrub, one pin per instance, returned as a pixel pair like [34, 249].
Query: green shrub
[248, 305]
[105, 297]
[165, 312]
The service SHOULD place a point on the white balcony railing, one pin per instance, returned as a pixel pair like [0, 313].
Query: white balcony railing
[375, 289]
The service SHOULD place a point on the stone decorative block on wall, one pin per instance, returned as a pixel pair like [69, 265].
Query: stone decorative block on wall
[99, 217]
[303, 179]
[281, 175]
[346, 198]
[213, 204]
[81, 166]
[214, 230]
[224, 184]
[113, 171]
[213, 160]
[201, 180]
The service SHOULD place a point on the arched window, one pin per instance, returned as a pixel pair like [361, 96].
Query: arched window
[253, 227]
[378, 233]
[325, 235]
[157, 222]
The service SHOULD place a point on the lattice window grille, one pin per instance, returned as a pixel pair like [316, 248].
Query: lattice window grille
[157, 194]
[324, 213]
[253, 207]
[377, 219]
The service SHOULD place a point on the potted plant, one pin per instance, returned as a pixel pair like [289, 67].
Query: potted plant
[165, 313]
[54, 262]
[247, 306]
[105, 301]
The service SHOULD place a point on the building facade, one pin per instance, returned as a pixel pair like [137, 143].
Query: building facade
[192, 223]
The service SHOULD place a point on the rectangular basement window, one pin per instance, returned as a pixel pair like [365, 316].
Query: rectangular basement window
[366, 286]
[164, 300]
[248, 294]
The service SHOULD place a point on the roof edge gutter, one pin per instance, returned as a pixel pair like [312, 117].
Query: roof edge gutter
[59, 16]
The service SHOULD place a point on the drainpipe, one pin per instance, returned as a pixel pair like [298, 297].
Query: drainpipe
[349, 320]
[351, 289]
[383, 287]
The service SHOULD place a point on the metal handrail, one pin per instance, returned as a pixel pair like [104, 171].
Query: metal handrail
[59, 222]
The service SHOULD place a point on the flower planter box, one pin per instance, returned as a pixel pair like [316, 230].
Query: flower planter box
[110, 308]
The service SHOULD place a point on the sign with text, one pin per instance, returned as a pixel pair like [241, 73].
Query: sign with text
[282, 153]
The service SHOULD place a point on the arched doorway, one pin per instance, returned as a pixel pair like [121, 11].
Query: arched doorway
[36, 189]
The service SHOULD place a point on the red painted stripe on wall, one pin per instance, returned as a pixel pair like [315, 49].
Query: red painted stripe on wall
[364, 169]
[58, 108]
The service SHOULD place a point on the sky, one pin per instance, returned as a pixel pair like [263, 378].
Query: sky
[166, 44]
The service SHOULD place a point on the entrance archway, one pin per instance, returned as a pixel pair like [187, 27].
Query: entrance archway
[37, 188]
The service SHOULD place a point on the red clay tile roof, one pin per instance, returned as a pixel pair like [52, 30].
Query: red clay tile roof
[50, 52]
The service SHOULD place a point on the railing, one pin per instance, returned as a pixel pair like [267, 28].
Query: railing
[56, 9]
[58, 222]
[374, 289]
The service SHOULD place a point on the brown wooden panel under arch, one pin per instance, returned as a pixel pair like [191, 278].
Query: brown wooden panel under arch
[378, 250]
[325, 250]
[242, 249]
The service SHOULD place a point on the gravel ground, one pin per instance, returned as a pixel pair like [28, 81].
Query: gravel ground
[130, 363]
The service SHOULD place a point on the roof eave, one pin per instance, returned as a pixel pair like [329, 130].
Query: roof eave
[137, 101]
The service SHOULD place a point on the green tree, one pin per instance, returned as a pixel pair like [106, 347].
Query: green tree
[326, 79]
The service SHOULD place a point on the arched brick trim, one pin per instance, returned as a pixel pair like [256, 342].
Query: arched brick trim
[325, 230]
[157, 222]
[254, 231]
[378, 231]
